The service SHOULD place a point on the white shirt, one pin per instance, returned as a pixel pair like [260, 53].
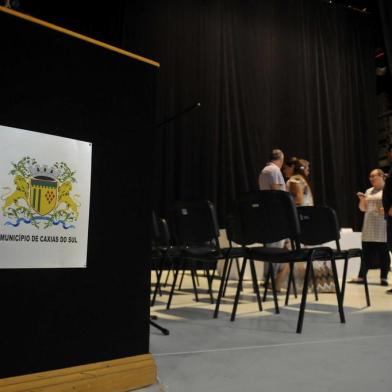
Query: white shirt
[374, 227]
[269, 176]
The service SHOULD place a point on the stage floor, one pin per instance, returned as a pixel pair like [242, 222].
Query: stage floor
[260, 351]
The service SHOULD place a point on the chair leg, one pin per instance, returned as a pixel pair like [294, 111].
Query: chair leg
[290, 280]
[314, 282]
[157, 276]
[270, 277]
[193, 273]
[366, 287]
[237, 295]
[337, 289]
[181, 280]
[366, 290]
[222, 285]
[266, 283]
[253, 275]
[237, 263]
[255, 285]
[167, 276]
[157, 287]
[160, 328]
[197, 278]
[209, 282]
[172, 288]
[295, 287]
[227, 277]
[212, 277]
[274, 290]
[158, 283]
[344, 278]
[303, 298]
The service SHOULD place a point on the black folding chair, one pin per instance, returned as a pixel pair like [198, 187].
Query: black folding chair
[271, 216]
[164, 252]
[234, 253]
[157, 257]
[196, 233]
[319, 224]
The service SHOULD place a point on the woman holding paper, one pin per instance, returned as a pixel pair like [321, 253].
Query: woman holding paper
[374, 234]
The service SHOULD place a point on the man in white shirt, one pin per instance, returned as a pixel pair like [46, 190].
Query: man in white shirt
[271, 178]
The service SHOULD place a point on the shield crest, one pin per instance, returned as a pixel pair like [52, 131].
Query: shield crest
[43, 194]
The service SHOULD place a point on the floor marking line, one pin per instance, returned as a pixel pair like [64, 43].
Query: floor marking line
[273, 345]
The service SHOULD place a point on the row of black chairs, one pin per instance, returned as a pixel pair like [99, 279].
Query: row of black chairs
[259, 217]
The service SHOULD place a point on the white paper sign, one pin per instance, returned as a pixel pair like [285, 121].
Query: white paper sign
[45, 200]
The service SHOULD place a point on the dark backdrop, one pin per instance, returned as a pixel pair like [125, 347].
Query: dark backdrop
[56, 84]
[294, 74]
[385, 9]
[297, 75]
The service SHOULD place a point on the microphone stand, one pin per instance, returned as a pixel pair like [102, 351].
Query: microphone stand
[179, 114]
[164, 122]
[157, 326]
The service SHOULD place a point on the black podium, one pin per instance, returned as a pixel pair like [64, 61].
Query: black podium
[56, 83]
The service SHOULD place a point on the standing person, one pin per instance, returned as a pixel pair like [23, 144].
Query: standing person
[387, 203]
[374, 230]
[298, 185]
[288, 168]
[271, 178]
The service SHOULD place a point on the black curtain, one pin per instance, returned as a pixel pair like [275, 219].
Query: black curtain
[293, 74]
[297, 75]
[385, 10]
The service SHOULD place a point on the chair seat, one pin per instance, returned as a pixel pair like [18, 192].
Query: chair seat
[172, 251]
[204, 252]
[354, 252]
[156, 253]
[337, 254]
[346, 253]
[279, 255]
[234, 252]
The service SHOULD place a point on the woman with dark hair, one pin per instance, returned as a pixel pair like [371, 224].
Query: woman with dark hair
[298, 185]
[374, 230]
[288, 168]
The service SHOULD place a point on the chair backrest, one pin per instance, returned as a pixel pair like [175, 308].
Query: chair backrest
[319, 224]
[233, 229]
[195, 223]
[160, 229]
[267, 216]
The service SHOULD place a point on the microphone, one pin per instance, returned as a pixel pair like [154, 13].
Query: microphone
[179, 114]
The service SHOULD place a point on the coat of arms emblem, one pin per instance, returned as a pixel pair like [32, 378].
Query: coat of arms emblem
[42, 195]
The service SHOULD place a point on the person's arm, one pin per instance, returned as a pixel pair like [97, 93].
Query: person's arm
[362, 205]
[277, 181]
[387, 196]
[297, 191]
